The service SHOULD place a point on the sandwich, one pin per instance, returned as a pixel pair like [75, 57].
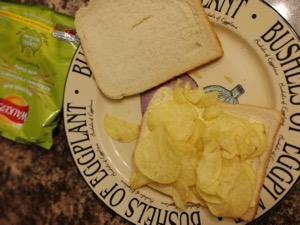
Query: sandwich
[133, 46]
[198, 150]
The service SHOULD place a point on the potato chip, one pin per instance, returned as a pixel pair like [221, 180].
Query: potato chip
[244, 149]
[212, 112]
[195, 194]
[209, 170]
[252, 176]
[228, 78]
[180, 130]
[189, 156]
[119, 129]
[196, 138]
[231, 169]
[170, 111]
[193, 95]
[209, 194]
[260, 139]
[239, 199]
[225, 122]
[208, 99]
[210, 143]
[178, 119]
[178, 94]
[219, 191]
[250, 172]
[158, 115]
[156, 158]
[180, 193]
[196, 73]
[228, 144]
[138, 179]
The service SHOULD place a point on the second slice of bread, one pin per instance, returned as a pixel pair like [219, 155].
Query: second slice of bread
[132, 46]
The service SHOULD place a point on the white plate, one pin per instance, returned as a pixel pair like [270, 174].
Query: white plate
[261, 53]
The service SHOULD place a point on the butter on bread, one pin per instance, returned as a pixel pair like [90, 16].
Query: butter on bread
[132, 46]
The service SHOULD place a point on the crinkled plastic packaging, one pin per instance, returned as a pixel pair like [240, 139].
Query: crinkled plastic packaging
[36, 49]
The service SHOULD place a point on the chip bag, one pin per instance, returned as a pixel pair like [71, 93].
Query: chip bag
[36, 49]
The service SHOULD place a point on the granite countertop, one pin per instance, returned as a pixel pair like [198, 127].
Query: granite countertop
[45, 187]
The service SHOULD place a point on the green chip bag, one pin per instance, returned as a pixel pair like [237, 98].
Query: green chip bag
[36, 49]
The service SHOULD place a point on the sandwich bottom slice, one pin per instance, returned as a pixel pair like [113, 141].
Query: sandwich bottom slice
[201, 151]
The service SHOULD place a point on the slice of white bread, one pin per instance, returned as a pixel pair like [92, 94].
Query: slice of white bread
[269, 117]
[132, 46]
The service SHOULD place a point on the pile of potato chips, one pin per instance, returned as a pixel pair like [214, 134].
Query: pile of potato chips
[189, 144]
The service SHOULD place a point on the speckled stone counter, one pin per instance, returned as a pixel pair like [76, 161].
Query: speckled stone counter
[45, 187]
